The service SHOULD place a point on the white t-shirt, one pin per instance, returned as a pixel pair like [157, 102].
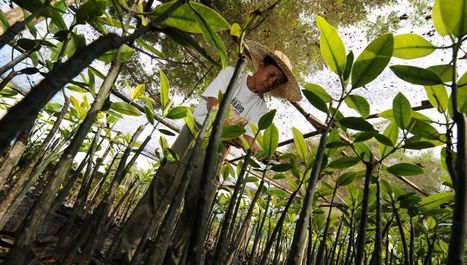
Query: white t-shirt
[246, 106]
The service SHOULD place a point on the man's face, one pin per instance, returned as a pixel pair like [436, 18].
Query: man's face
[267, 78]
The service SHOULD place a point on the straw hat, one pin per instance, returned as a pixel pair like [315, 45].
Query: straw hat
[288, 90]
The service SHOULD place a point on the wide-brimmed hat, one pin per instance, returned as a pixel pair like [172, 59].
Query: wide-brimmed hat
[288, 90]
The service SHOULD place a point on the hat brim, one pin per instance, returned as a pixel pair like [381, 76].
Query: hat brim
[289, 90]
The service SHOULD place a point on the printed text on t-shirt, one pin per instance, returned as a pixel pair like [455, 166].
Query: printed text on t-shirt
[237, 106]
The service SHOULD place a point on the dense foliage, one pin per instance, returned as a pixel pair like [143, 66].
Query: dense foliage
[345, 199]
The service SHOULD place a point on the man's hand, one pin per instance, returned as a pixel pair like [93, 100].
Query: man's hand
[236, 142]
[265, 159]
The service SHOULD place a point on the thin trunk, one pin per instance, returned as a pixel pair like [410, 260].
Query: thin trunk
[322, 244]
[196, 245]
[378, 248]
[95, 174]
[280, 223]
[361, 237]
[98, 223]
[7, 79]
[100, 185]
[27, 169]
[93, 239]
[297, 248]
[412, 242]
[348, 255]
[241, 234]
[39, 211]
[167, 227]
[230, 215]
[385, 233]
[70, 182]
[258, 234]
[402, 234]
[456, 250]
[277, 249]
[77, 211]
[14, 62]
[340, 252]
[234, 225]
[336, 241]
[80, 202]
[431, 247]
[309, 246]
[14, 154]
[29, 182]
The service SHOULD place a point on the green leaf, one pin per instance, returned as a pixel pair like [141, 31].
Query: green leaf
[164, 90]
[281, 167]
[300, 143]
[418, 145]
[348, 65]
[411, 46]
[372, 61]
[125, 108]
[74, 43]
[125, 53]
[90, 10]
[358, 103]
[270, 140]
[150, 48]
[436, 200]
[344, 162]
[363, 136]
[405, 169]
[384, 139]
[438, 22]
[266, 120]
[319, 91]
[356, 123]
[416, 75]
[346, 178]
[57, 19]
[177, 113]
[183, 18]
[251, 179]
[149, 114]
[392, 133]
[454, 15]
[231, 132]
[138, 91]
[438, 97]
[235, 30]
[402, 111]
[332, 47]
[211, 36]
[315, 100]
[444, 71]
[424, 130]
[28, 44]
[166, 132]
[186, 40]
[334, 142]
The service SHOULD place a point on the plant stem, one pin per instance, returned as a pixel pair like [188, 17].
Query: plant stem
[361, 237]
[459, 228]
[209, 168]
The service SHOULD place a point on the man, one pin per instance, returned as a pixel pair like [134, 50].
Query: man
[274, 76]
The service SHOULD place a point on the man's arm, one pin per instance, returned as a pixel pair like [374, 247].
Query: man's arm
[236, 142]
